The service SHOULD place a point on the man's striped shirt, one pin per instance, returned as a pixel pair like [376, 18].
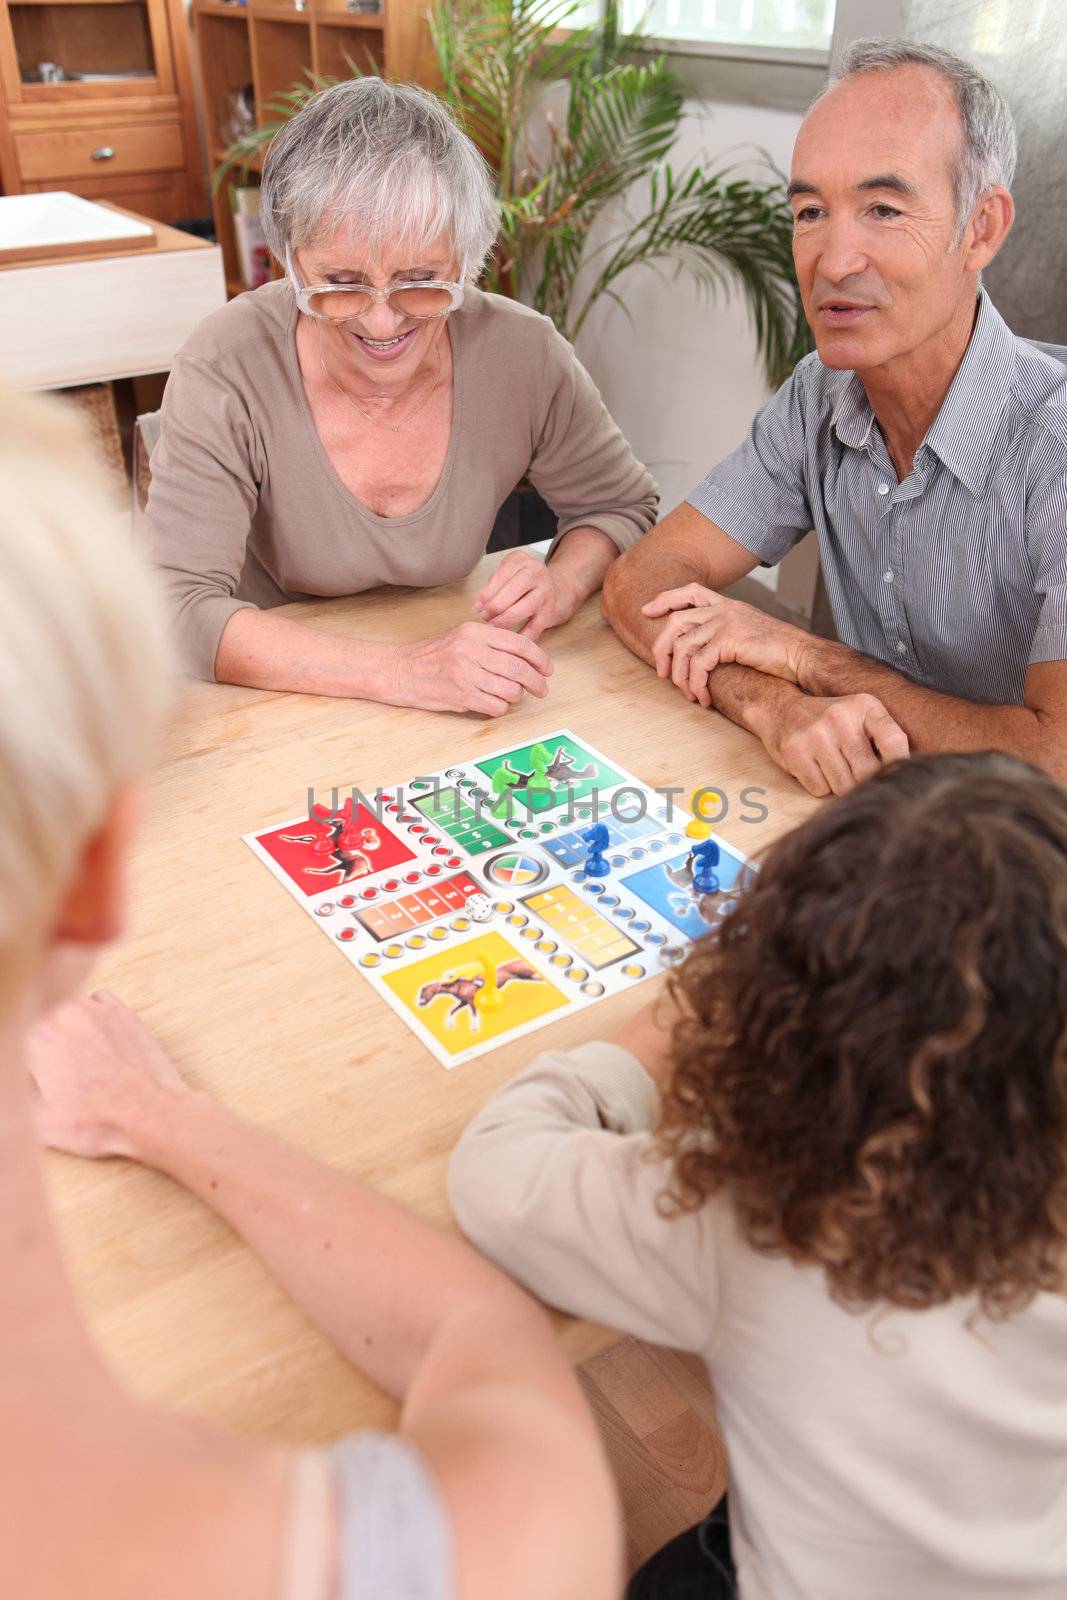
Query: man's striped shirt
[956, 576]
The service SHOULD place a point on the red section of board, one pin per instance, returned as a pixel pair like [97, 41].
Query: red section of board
[314, 860]
[413, 910]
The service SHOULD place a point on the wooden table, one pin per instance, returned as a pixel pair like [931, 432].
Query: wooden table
[115, 313]
[244, 990]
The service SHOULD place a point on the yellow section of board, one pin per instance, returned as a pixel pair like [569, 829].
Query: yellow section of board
[442, 992]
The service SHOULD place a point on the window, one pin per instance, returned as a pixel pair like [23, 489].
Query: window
[733, 25]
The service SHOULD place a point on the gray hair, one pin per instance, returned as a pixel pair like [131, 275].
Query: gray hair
[390, 157]
[990, 146]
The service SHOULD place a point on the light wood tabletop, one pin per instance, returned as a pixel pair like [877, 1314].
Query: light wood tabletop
[242, 988]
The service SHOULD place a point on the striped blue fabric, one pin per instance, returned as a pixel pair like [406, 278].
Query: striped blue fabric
[956, 576]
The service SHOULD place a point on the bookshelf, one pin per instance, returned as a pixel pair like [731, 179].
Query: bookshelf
[266, 46]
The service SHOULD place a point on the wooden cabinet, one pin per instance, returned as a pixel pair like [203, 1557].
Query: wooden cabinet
[252, 52]
[96, 97]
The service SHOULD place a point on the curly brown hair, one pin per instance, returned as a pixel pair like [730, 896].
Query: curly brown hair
[873, 1056]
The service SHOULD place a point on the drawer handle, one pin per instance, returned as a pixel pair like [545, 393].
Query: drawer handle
[104, 153]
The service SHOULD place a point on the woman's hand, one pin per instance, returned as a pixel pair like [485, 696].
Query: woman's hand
[474, 667]
[527, 593]
[101, 1077]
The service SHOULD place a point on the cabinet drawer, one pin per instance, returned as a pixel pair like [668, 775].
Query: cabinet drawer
[99, 151]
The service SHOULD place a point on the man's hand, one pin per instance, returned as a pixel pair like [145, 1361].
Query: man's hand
[474, 667]
[705, 631]
[830, 746]
[528, 594]
[101, 1077]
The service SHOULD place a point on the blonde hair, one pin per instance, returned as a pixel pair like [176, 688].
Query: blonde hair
[85, 664]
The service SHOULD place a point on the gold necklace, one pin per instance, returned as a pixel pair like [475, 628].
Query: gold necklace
[394, 427]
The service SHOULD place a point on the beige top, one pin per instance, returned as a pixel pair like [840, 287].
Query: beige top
[891, 1456]
[245, 508]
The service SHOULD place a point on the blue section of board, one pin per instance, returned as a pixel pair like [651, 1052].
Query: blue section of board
[665, 888]
[570, 849]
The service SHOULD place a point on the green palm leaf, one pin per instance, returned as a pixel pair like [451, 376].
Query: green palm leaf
[721, 231]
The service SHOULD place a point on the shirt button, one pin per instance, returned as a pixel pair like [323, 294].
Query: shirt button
[883, 488]
[888, 575]
[902, 648]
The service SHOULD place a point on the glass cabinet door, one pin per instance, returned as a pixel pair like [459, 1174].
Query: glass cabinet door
[83, 41]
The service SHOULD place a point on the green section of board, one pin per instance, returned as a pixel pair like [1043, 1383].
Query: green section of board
[453, 814]
[579, 772]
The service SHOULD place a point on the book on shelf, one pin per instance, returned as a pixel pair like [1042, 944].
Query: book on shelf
[252, 253]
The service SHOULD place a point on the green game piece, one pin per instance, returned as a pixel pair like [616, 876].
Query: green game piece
[504, 780]
[540, 760]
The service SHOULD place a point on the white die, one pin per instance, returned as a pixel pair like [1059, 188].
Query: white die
[479, 907]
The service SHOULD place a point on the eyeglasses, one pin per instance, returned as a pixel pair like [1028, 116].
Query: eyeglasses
[349, 302]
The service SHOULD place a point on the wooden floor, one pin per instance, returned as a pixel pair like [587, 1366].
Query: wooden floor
[657, 1416]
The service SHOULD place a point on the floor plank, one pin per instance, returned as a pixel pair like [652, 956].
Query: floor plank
[657, 1417]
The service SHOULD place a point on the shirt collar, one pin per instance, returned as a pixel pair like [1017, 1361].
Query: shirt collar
[962, 435]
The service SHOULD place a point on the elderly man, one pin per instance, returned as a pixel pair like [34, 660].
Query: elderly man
[924, 442]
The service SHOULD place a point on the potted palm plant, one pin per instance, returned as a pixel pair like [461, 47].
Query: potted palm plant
[572, 227]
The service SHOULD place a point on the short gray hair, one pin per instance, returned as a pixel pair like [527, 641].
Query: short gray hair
[390, 157]
[990, 146]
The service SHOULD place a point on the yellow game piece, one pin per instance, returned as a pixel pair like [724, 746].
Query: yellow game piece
[698, 828]
[488, 997]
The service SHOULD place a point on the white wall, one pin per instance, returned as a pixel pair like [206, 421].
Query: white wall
[683, 380]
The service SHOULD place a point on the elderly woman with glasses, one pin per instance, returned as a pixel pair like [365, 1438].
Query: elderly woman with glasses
[361, 421]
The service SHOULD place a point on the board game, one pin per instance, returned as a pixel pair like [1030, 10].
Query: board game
[463, 898]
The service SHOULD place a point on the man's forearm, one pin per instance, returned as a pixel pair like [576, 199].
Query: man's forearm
[629, 584]
[749, 698]
[933, 721]
[684, 548]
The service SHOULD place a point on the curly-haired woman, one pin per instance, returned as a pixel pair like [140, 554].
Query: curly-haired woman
[837, 1168]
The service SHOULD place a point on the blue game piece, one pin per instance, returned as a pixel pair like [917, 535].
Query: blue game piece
[705, 859]
[596, 862]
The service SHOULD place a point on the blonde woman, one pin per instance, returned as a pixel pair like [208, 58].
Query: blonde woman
[495, 1484]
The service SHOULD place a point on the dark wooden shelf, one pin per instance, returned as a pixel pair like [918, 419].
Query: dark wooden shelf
[351, 19]
[216, 8]
[300, 19]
